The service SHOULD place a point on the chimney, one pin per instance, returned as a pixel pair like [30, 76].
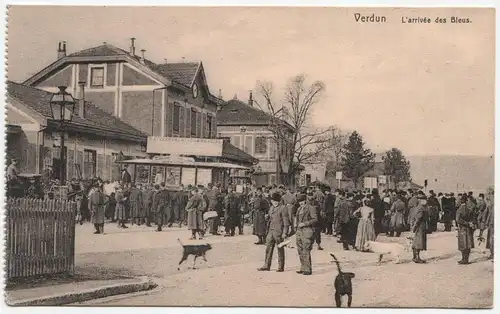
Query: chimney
[132, 46]
[250, 99]
[142, 56]
[61, 50]
[81, 99]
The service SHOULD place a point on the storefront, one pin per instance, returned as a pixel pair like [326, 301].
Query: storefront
[177, 170]
[195, 161]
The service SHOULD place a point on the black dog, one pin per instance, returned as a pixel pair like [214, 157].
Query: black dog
[343, 285]
[194, 249]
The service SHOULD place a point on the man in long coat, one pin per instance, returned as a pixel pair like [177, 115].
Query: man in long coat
[213, 205]
[121, 206]
[288, 199]
[378, 211]
[195, 208]
[161, 201]
[147, 203]
[487, 221]
[447, 208]
[466, 225]
[418, 227]
[398, 210]
[329, 210]
[345, 215]
[135, 202]
[232, 205]
[97, 204]
[306, 219]
[433, 209]
[277, 232]
[260, 210]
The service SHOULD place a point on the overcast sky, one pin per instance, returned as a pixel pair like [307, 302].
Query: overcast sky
[424, 88]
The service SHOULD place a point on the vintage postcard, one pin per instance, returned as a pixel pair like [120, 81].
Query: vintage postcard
[249, 156]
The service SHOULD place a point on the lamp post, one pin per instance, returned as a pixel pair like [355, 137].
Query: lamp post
[62, 106]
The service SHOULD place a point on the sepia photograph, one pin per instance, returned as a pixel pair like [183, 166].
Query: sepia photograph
[212, 156]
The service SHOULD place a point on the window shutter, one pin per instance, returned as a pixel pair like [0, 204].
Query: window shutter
[248, 144]
[204, 125]
[214, 127]
[100, 165]
[107, 170]
[182, 124]
[79, 161]
[169, 119]
[198, 124]
[188, 122]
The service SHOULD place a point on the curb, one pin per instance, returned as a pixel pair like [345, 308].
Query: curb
[87, 295]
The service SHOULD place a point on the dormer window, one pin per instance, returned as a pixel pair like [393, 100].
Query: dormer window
[97, 77]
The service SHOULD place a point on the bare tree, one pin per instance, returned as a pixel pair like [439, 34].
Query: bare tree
[338, 140]
[296, 142]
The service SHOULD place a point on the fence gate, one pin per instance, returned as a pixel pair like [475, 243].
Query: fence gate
[40, 237]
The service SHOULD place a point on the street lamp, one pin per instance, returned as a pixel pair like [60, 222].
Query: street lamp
[62, 106]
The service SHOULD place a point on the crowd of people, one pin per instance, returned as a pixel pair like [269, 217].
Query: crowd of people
[276, 213]
[359, 216]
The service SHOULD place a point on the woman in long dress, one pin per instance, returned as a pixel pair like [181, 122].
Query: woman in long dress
[366, 231]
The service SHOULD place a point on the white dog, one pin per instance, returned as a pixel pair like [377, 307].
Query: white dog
[385, 248]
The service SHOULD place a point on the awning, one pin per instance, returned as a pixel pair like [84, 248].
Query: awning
[14, 129]
[184, 163]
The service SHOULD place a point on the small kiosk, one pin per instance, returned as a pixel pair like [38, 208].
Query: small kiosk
[190, 161]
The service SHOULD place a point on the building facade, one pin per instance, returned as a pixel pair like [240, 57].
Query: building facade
[169, 99]
[94, 138]
[248, 128]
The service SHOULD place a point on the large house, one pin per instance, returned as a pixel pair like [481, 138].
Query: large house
[169, 99]
[94, 138]
[165, 101]
[248, 128]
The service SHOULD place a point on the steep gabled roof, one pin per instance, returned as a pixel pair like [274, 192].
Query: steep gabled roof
[183, 73]
[95, 118]
[236, 112]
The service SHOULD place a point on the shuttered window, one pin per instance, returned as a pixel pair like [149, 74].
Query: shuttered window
[193, 122]
[261, 145]
[176, 118]
[198, 125]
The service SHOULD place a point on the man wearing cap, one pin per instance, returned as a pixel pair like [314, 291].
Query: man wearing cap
[289, 201]
[347, 233]
[306, 218]
[260, 208]
[232, 212]
[433, 208]
[213, 205]
[277, 231]
[418, 225]
[329, 210]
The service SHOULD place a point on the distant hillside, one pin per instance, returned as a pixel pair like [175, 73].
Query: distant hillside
[471, 173]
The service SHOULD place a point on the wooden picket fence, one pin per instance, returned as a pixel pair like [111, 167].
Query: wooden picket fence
[40, 237]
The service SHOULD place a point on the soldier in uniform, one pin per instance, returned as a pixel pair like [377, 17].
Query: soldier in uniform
[289, 201]
[135, 199]
[487, 221]
[195, 208]
[329, 210]
[418, 226]
[147, 202]
[466, 225]
[213, 205]
[433, 209]
[97, 208]
[398, 210]
[260, 210]
[232, 209]
[161, 199]
[306, 219]
[277, 232]
[319, 202]
[121, 206]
